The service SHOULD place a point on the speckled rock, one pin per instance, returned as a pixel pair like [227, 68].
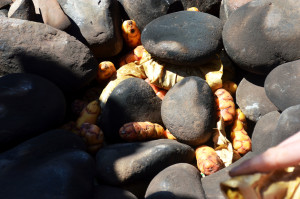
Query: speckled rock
[96, 23]
[46, 51]
[56, 156]
[264, 131]
[211, 183]
[26, 110]
[263, 34]
[282, 85]
[178, 181]
[195, 38]
[188, 111]
[22, 9]
[139, 162]
[133, 100]
[109, 192]
[229, 6]
[288, 124]
[252, 100]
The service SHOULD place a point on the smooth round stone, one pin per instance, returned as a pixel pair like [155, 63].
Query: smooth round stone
[45, 51]
[264, 131]
[188, 111]
[288, 124]
[282, 85]
[252, 100]
[133, 100]
[229, 6]
[183, 38]
[263, 34]
[175, 182]
[136, 162]
[109, 192]
[29, 105]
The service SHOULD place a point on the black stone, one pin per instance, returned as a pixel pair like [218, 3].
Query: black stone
[22, 9]
[253, 101]
[188, 111]
[96, 23]
[184, 37]
[132, 163]
[282, 85]
[263, 34]
[288, 124]
[264, 131]
[133, 100]
[109, 192]
[29, 105]
[177, 181]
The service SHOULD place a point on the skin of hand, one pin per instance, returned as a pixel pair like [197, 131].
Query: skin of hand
[281, 156]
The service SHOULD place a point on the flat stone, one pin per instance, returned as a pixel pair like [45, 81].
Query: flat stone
[264, 131]
[34, 114]
[109, 192]
[211, 183]
[135, 162]
[282, 85]
[263, 34]
[229, 6]
[45, 51]
[253, 101]
[288, 124]
[180, 180]
[96, 23]
[133, 100]
[22, 9]
[188, 111]
[184, 37]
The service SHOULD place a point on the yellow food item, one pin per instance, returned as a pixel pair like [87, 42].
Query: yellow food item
[131, 33]
[169, 135]
[89, 114]
[225, 105]
[106, 70]
[141, 131]
[193, 9]
[133, 56]
[230, 86]
[208, 161]
[93, 137]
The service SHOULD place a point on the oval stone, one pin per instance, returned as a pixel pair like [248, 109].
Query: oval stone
[188, 111]
[109, 192]
[45, 51]
[263, 34]
[264, 131]
[133, 100]
[137, 162]
[29, 105]
[252, 100]
[282, 85]
[176, 181]
[288, 124]
[183, 38]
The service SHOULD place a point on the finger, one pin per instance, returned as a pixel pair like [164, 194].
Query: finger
[294, 138]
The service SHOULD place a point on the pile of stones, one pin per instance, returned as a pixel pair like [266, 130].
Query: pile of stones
[49, 55]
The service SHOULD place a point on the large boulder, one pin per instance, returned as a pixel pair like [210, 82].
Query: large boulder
[188, 111]
[29, 105]
[263, 34]
[183, 38]
[96, 23]
[282, 85]
[30, 47]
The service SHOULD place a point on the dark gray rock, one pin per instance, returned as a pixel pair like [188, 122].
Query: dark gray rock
[45, 51]
[136, 162]
[3, 12]
[282, 85]
[133, 100]
[51, 165]
[183, 38]
[288, 124]
[264, 131]
[109, 192]
[229, 6]
[253, 101]
[211, 183]
[96, 23]
[177, 181]
[188, 111]
[263, 34]
[29, 105]
[22, 9]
